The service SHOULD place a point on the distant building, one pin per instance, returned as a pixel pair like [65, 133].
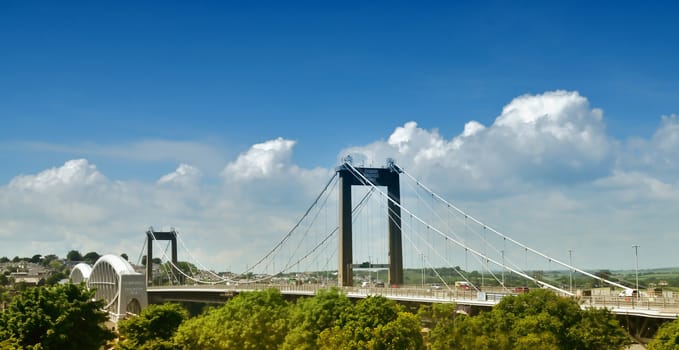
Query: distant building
[32, 279]
[26, 272]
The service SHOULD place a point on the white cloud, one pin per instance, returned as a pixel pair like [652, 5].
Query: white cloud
[539, 124]
[666, 139]
[472, 128]
[659, 154]
[553, 137]
[205, 155]
[545, 172]
[74, 206]
[73, 173]
[638, 187]
[560, 108]
[261, 160]
[184, 175]
[422, 145]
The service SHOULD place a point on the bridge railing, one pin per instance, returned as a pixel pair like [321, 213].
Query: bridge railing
[664, 304]
[403, 292]
[668, 306]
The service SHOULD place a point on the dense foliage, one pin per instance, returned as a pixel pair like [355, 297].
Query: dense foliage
[311, 316]
[667, 337]
[64, 317]
[57, 317]
[375, 323]
[153, 329]
[535, 320]
[257, 320]
[264, 320]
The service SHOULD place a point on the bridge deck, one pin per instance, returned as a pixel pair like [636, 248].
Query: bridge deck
[653, 307]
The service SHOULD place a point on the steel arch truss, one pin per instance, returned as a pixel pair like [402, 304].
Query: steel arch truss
[116, 282]
[80, 273]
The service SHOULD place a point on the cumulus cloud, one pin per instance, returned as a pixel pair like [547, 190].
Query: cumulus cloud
[637, 186]
[77, 172]
[184, 175]
[203, 154]
[563, 119]
[667, 137]
[421, 144]
[74, 206]
[659, 154]
[545, 172]
[555, 137]
[261, 160]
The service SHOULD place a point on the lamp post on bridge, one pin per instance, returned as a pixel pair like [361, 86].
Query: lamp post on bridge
[503, 268]
[422, 255]
[636, 271]
[370, 271]
[570, 272]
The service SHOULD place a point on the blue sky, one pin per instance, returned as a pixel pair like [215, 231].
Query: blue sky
[137, 89]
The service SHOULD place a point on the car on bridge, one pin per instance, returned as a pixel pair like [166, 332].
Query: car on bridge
[377, 284]
[629, 292]
[464, 285]
[521, 290]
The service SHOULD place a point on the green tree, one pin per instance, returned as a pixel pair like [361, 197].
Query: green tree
[5, 298]
[310, 316]
[56, 265]
[443, 322]
[91, 257]
[539, 317]
[186, 267]
[401, 333]
[249, 321]
[536, 320]
[667, 337]
[58, 317]
[153, 328]
[599, 329]
[10, 344]
[169, 273]
[154, 260]
[473, 333]
[55, 278]
[49, 258]
[375, 323]
[74, 255]
[604, 274]
[20, 286]
[4, 259]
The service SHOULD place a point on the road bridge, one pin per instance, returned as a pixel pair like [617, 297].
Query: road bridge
[661, 308]
[429, 233]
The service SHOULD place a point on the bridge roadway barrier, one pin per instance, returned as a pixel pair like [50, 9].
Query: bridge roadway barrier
[410, 294]
[655, 307]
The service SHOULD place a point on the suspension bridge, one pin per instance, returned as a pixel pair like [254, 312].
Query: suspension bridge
[427, 249]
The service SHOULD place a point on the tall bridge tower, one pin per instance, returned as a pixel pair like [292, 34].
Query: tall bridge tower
[152, 235]
[389, 177]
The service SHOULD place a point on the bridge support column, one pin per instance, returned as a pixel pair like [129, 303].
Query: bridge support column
[395, 239]
[388, 177]
[344, 269]
[132, 296]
